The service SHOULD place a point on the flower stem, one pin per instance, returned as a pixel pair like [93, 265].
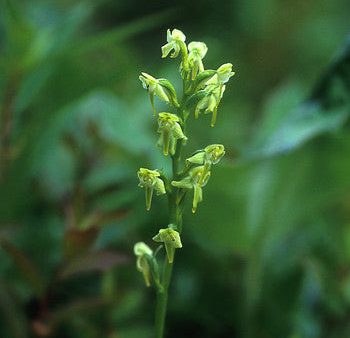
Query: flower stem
[162, 299]
[176, 219]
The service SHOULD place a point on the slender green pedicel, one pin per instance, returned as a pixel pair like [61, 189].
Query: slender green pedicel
[203, 90]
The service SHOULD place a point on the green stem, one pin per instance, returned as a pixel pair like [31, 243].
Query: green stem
[162, 294]
[176, 219]
[162, 299]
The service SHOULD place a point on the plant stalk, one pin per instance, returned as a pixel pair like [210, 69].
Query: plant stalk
[162, 299]
[176, 219]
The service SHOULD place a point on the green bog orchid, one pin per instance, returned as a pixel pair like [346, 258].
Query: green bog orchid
[170, 131]
[203, 90]
[142, 250]
[171, 239]
[176, 42]
[149, 179]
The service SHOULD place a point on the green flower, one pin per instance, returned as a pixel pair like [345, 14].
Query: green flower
[210, 102]
[159, 87]
[170, 131]
[149, 179]
[211, 154]
[143, 252]
[197, 51]
[223, 74]
[197, 178]
[176, 43]
[171, 240]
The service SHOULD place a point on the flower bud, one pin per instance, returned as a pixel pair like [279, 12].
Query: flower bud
[170, 131]
[149, 179]
[171, 239]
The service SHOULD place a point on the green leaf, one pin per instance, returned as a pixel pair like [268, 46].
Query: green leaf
[12, 313]
[326, 110]
[123, 32]
[41, 58]
[25, 266]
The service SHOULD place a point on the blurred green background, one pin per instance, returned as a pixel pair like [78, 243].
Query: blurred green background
[268, 253]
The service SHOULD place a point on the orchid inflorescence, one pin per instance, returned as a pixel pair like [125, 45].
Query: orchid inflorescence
[203, 90]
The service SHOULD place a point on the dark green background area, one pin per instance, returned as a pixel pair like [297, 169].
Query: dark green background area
[267, 255]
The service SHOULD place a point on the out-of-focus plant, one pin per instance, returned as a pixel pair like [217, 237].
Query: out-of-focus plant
[202, 91]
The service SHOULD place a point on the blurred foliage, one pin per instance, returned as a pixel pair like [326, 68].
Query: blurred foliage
[268, 253]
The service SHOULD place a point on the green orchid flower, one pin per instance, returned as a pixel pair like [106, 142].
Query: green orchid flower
[170, 131]
[197, 178]
[175, 42]
[171, 239]
[214, 89]
[197, 51]
[210, 102]
[223, 74]
[158, 87]
[142, 252]
[150, 180]
[211, 154]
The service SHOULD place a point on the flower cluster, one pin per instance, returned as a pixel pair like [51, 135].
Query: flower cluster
[198, 177]
[206, 86]
[203, 90]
